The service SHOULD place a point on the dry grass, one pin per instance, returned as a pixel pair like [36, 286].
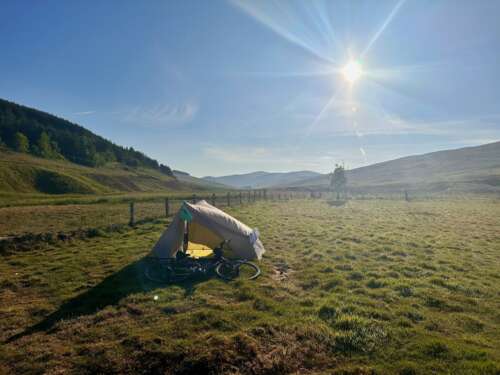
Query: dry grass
[370, 287]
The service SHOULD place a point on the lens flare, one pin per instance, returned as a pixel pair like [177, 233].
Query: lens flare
[352, 71]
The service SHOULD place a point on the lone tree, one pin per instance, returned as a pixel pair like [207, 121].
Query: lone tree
[338, 180]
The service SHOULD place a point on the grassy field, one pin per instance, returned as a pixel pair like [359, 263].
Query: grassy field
[369, 287]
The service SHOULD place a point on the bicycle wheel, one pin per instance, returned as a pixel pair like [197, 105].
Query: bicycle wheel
[227, 270]
[232, 270]
[248, 270]
[158, 272]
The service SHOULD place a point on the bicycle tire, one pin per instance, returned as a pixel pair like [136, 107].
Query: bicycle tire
[158, 274]
[235, 266]
[254, 274]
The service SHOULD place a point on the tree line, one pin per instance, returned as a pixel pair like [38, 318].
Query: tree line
[38, 133]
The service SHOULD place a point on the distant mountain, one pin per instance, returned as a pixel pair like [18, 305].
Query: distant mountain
[258, 180]
[198, 182]
[41, 134]
[467, 170]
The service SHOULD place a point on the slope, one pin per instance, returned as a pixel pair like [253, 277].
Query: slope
[262, 179]
[471, 169]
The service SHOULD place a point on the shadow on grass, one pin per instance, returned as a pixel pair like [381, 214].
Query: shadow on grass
[129, 280]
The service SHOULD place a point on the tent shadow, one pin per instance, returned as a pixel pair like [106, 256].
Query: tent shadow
[129, 280]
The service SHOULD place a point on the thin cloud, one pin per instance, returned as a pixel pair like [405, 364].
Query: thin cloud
[84, 113]
[159, 116]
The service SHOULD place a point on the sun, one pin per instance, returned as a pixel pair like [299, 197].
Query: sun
[352, 71]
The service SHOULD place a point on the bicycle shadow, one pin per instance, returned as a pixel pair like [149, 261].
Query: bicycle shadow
[129, 280]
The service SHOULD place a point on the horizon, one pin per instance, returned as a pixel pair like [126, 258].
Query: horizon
[236, 87]
[347, 167]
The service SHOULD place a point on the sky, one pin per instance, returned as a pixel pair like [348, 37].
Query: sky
[230, 86]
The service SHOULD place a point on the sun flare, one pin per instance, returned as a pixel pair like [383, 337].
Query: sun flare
[352, 71]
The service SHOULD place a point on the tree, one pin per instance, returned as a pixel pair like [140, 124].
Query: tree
[21, 143]
[338, 180]
[44, 146]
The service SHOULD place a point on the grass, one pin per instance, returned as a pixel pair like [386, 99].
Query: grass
[28, 180]
[370, 287]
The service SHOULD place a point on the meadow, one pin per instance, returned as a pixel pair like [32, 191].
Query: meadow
[372, 286]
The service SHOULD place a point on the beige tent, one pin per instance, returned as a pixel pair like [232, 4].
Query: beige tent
[209, 226]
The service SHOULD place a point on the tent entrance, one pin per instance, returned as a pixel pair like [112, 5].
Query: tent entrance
[200, 240]
[198, 250]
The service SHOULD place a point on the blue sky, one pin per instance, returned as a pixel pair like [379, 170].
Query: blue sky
[220, 87]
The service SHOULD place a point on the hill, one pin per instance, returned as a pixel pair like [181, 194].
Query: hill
[261, 179]
[41, 134]
[465, 170]
[23, 173]
[198, 182]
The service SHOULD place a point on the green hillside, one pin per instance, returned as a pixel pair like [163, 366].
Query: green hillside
[41, 134]
[23, 175]
[466, 170]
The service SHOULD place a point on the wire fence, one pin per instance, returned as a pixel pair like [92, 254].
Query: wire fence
[39, 219]
[15, 221]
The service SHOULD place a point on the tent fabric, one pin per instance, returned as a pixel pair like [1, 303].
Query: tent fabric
[209, 226]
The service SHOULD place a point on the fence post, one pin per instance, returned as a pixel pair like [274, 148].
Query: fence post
[228, 198]
[193, 199]
[167, 207]
[241, 198]
[254, 195]
[132, 212]
[213, 199]
[249, 196]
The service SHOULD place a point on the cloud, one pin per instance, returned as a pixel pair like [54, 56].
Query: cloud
[84, 113]
[241, 157]
[159, 116]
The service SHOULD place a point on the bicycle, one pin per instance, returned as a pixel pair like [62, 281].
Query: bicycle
[183, 267]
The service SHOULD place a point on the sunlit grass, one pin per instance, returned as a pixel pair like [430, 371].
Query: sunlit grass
[389, 286]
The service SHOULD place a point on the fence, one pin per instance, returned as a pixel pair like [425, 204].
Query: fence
[16, 221]
[170, 205]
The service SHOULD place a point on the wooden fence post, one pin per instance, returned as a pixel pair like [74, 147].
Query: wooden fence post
[213, 199]
[249, 196]
[265, 194]
[229, 199]
[254, 195]
[241, 198]
[132, 212]
[167, 207]
[193, 199]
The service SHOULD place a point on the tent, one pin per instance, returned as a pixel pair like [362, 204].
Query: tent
[207, 225]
